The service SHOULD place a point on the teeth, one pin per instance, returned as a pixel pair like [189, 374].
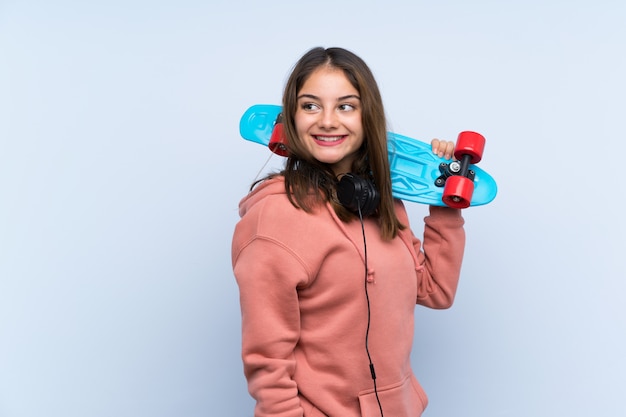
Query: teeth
[328, 138]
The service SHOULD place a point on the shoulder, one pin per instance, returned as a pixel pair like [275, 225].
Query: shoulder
[268, 202]
[400, 210]
[268, 213]
[275, 226]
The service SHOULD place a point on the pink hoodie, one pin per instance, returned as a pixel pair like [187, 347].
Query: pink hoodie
[302, 283]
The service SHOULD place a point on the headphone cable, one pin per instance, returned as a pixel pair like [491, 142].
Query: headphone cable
[369, 314]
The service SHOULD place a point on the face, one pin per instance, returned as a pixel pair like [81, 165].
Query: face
[328, 118]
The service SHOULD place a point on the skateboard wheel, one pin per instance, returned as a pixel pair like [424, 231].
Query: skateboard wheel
[458, 191]
[470, 143]
[278, 140]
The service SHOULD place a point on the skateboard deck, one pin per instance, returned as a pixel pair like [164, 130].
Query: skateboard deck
[417, 175]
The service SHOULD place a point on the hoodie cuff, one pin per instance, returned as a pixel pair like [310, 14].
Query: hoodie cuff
[445, 212]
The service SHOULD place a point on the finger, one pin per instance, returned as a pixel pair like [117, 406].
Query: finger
[448, 151]
[443, 148]
[435, 145]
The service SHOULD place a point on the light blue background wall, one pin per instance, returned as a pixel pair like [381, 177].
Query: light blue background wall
[121, 169]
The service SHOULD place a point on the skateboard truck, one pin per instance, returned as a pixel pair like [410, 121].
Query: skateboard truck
[278, 141]
[449, 169]
[457, 177]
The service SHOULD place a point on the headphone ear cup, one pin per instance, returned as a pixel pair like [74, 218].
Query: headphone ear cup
[354, 192]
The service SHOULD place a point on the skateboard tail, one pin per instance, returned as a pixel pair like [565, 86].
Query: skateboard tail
[257, 123]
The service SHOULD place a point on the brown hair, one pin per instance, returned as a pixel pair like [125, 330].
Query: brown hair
[308, 181]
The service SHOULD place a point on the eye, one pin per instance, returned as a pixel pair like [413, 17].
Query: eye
[347, 107]
[309, 107]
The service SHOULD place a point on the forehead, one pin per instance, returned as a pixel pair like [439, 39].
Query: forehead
[328, 80]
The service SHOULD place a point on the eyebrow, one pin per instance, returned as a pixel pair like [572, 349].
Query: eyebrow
[342, 98]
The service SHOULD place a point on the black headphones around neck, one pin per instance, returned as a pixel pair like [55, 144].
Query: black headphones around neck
[354, 192]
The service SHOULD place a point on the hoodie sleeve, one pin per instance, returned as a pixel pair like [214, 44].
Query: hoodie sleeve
[440, 257]
[268, 275]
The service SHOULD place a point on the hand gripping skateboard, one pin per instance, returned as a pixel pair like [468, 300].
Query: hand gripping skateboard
[417, 175]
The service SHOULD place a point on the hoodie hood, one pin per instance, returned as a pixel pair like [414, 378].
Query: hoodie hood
[268, 187]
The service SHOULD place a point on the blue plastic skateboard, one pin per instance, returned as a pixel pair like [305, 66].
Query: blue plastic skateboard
[417, 175]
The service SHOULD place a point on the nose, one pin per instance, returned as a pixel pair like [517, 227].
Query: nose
[328, 119]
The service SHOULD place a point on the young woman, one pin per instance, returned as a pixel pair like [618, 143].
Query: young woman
[328, 288]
